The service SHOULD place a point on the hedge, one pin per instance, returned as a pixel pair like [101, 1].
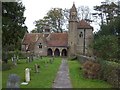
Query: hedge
[110, 71]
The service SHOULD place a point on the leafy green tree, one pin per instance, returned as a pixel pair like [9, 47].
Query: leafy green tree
[107, 40]
[40, 24]
[54, 19]
[112, 28]
[106, 47]
[13, 27]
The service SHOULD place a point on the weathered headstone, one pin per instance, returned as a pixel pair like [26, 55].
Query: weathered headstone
[14, 60]
[51, 60]
[28, 59]
[37, 68]
[27, 74]
[13, 81]
[17, 57]
[31, 58]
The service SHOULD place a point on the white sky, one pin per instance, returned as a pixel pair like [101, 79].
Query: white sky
[37, 9]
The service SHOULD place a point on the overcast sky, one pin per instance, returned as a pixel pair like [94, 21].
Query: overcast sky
[37, 9]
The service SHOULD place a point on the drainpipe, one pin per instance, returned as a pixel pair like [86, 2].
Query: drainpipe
[84, 44]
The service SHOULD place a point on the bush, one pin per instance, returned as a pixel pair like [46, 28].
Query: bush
[7, 66]
[106, 47]
[110, 72]
[91, 69]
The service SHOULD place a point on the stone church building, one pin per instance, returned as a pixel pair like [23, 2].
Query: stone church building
[74, 42]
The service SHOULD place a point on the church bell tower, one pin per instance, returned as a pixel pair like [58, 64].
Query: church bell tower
[72, 33]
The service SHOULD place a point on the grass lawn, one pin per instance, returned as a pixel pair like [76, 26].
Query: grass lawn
[78, 81]
[43, 79]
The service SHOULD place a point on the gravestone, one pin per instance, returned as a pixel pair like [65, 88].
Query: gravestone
[13, 81]
[36, 68]
[31, 58]
[28, 59]
[14, 60]
[27, 74]
[17, 57]
[51, 60]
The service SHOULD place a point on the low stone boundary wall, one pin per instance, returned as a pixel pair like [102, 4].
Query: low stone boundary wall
[82, 59]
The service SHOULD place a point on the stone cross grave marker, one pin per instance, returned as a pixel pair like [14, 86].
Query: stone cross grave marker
[13, 81]
[14, 60]
[36, 68]
[27, 74]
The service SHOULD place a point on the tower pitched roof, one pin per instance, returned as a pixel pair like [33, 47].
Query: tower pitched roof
[73, 8]
[84, 24]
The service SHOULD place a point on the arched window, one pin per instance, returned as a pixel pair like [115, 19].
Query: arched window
[40, 45]
[81, 34]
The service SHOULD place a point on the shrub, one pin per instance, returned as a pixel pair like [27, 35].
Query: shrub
[7, 66]
[91, 69]
[110, 72]
[106, 47]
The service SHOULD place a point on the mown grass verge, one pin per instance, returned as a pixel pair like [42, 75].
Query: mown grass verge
[78, 80]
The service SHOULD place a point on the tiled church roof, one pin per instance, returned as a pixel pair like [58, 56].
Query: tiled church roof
[84, 25]
[57, 39]
[31, 37]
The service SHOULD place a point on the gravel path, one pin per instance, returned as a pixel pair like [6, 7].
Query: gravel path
[63, 80]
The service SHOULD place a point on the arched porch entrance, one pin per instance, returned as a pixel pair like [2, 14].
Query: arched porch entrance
[57, 52]
[64, 52]
[49, 52]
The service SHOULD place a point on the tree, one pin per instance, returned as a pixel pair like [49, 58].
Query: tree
[13, 27]
[107, 12]
[40, 24]
[106, 47]
[84, 12]
[54, 18]
[107, 40]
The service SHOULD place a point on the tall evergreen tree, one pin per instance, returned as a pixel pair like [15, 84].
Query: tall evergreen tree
[13, 26]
